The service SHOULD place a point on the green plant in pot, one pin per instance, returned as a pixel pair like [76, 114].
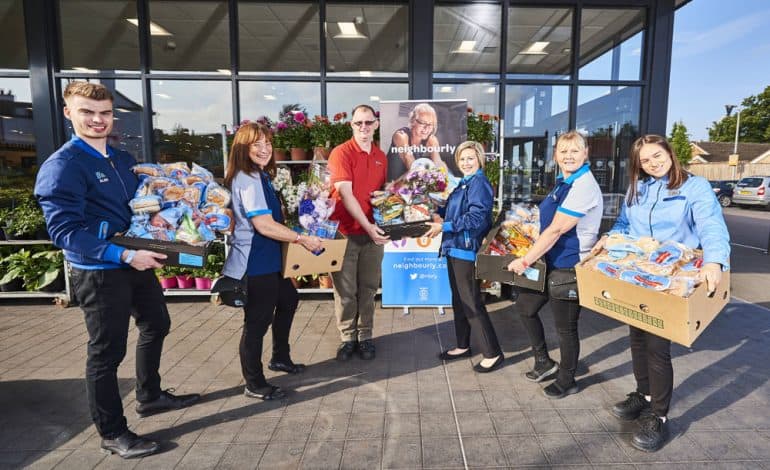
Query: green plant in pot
[213, 269]
[481, 127]
[24, 222]
[38, 271]
[167, 276]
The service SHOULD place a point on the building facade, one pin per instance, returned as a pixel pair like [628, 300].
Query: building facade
[183, 69]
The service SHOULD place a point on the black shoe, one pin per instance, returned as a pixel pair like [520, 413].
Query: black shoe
[130, 446]
[445, 356]
[556, 391]
[269, 392]
[543, 370]
[346, 350]
[366, 350]
[166, 402]
[630, 408]
[286, 366]
[495, 365]
[652, 433]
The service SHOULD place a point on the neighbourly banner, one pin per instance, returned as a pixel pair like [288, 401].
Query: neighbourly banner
[413, 275]
[416, 129]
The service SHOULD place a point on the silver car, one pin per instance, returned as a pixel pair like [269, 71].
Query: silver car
[752, 191]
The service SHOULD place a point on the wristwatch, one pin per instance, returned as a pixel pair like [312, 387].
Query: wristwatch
[129, 256]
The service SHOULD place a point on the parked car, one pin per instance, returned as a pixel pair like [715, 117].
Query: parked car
[724, 191]
[752, 191]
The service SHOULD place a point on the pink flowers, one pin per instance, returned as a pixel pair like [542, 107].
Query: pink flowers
[299, 117]
[281, 126]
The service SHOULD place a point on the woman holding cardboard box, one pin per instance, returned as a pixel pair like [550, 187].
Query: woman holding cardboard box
[569, 219]
[255, 250]
[666, 203]
[467, 219]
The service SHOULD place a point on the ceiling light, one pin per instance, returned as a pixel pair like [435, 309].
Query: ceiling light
[536, 48]
[566, 50]
[466, 47]
[6, 117]
[163, 95]
[224, 71]
[365, 73]
[348, 30]
[374, 98]
[84, 69]
[269, 97]
[446, 89]
[155, 29]
[122, 110]
[490, 90]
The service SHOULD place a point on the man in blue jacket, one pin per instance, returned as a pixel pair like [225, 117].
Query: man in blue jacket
[84, 189]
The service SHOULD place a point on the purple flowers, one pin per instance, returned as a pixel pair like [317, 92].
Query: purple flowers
[299, 117]
[281, 126]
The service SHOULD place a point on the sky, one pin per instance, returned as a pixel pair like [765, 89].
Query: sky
[721, 55]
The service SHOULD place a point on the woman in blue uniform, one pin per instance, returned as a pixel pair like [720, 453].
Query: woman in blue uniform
[569, 222]
[667, 203]
[255, 250]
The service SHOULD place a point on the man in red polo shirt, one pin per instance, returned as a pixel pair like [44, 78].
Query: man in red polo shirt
[357, 168]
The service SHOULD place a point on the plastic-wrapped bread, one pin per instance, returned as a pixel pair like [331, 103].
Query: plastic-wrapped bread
[216, 194]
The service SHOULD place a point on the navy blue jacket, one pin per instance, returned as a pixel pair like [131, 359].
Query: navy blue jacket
[85, 197]
[467, 217]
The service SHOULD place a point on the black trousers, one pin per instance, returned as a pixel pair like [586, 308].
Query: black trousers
[565, 315]
[108, 298]
[272, 299]
[469, 310]
[654, 374]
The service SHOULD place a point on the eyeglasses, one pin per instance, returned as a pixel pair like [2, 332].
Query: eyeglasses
[424, 124]
[657, 158]
[360, 124]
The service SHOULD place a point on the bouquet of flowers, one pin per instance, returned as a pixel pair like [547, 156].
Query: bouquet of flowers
[412, 197]
[307, 203]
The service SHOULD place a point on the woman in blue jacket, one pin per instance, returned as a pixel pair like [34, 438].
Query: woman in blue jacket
[467, 219]
[667, 203]
[569, 223]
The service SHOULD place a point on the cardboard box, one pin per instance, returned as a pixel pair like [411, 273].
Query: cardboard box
[676, 318]
[297, 261]
[494, 268]
[405, 230]
[179, 253]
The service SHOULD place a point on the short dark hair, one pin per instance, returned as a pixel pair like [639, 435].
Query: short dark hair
[94, 91]
[363, 106]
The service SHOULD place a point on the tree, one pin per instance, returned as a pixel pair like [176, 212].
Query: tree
[755, 121]
[680, 142]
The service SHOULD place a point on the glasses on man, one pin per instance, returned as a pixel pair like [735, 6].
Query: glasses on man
[360, 124]
[424, 124]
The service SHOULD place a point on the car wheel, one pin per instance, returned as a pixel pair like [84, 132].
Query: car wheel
[725, 201]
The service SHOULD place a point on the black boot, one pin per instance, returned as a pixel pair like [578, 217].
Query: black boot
[652, 433]
[544, 368]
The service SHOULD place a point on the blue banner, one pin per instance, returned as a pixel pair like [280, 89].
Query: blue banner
[413, 275]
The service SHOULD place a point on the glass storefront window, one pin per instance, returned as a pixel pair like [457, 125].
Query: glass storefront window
[482, 97]
[269, 98]
[99, 35]
[187, 121]
[342, 97]
[13, 41]
[128, 109]
[190, 36]
[278, 37]
[18, 160]
[611, 43]
[609, 116]
[466, 40]
[539, 43]
[535, 116]
[367, 40]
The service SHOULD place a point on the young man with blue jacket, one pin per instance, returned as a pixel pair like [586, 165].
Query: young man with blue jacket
[84, 189]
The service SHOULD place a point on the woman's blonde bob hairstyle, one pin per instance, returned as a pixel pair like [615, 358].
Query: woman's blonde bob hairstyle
[572, 137]
[470, 144]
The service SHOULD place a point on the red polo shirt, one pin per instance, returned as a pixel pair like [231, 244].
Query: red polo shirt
[367, 172]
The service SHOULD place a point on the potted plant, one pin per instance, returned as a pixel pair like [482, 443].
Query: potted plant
[293, 131]
[492, 171]
[184, 278]
[9, 282]
[38, 271]
[205, 276]
[481, 127]
[25, 222]
[341, 130]
[321, 136]
[167, 276]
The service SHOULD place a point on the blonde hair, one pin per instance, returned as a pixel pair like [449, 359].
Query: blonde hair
[94, 91]
[470, 144]
[424, 108]
[572, 137]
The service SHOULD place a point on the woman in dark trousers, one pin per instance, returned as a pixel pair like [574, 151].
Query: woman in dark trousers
[667, 203]
[255, 250]
[467, 219]
[569, 221]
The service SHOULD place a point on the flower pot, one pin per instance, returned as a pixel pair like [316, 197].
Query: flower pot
[325, 281]
[203, 283]
[56, 286]
[185, 282]
[14, 286]
[168, 282]
[298, 154]
[279, 155]
[321, 153]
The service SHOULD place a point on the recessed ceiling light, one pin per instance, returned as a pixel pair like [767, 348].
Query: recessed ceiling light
[155, 29]
[122, 110]
[536, 48]
[365, 73]
[269, 97]
[6, 117]
[446, 89]
[490, 90]
[224, 71]
[374, 98]
[84, 69]
[466, 47]
[348, 30]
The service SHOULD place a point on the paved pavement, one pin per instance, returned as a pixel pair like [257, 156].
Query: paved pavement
[405, 409]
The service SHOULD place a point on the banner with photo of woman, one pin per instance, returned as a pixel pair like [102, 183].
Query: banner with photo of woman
[414, 129]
